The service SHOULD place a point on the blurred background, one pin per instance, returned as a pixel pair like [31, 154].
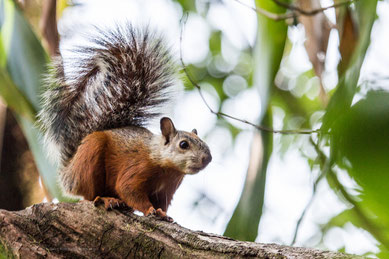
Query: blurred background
[316, 70]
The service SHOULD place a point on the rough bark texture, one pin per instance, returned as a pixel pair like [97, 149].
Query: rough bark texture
[80, 230]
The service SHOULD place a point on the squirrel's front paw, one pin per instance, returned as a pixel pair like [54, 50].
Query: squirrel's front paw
[159, 213]
[162, 215]
[110, 203]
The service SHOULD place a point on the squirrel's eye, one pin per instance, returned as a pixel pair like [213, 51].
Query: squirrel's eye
[184, 144]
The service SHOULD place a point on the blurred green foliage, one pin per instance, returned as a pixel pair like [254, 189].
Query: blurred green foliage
[355, 134]
[345, 91]
[355, 131]
[268, 52]
[23, 63]
[359, 146]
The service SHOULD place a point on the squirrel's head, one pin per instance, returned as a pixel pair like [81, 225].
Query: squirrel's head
[184, 149]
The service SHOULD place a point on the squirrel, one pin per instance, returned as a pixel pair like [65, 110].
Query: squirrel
[95, 114]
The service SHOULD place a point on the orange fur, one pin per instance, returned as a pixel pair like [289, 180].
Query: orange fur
[105, 166]
[87, 167]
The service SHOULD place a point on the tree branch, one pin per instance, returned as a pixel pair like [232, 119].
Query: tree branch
[294, 10]
[80, 230]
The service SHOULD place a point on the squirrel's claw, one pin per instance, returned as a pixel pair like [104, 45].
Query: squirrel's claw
[150, 212]
[109, 203]
[159, 213]
[162, 215]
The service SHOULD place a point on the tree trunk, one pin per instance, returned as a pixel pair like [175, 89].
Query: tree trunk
[80, 230]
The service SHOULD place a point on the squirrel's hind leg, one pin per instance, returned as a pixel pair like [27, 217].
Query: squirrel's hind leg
[87, 168]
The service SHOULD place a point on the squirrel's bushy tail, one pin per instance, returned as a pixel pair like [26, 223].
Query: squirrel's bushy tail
[118, 80]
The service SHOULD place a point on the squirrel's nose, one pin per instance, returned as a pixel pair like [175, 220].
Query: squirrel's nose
[206, 159]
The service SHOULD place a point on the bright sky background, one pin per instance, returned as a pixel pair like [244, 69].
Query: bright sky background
[289, 182]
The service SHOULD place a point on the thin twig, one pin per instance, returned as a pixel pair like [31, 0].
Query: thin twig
[312, 12]
[324, 166]
[294, 10]
[259, 127]
[270, 15]
[300, 220]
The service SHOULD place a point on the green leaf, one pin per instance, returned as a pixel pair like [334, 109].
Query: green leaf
[244, 222]
[360, 145]
[187, 6]
[351, 216]
[47, 170]
[26, 59]
[13, 97]
[23, 61]
[215, 43]
[343, 96]
[268, 52]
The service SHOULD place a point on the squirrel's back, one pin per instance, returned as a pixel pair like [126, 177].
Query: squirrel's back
[118, 80]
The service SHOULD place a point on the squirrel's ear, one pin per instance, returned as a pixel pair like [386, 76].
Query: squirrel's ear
[167, 128]
[194, 131]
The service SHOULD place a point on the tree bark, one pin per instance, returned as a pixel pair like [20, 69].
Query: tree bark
[80, 230]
